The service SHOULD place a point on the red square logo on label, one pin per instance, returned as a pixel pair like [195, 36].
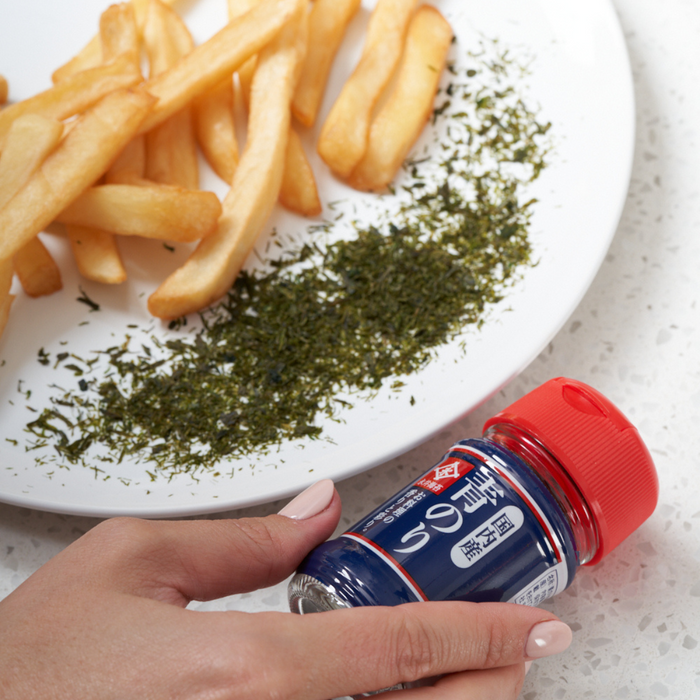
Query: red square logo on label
[444, 474]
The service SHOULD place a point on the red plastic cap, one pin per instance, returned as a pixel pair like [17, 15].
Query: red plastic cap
[598, 447]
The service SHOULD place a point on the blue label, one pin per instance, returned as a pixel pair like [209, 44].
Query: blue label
[469, 527]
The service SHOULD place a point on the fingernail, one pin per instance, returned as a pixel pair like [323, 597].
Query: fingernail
[310, 502]
[528, 665]
[548, 638]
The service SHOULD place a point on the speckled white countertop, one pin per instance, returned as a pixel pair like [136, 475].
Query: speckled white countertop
[635, 337]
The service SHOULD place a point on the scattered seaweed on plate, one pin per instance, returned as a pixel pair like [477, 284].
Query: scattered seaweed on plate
[335, 315]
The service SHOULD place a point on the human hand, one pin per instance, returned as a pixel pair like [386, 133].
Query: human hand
[107, 618]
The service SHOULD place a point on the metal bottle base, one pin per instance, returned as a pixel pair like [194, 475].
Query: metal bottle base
[308, 595]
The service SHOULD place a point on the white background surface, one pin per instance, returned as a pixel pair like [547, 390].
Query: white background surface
[636, 616]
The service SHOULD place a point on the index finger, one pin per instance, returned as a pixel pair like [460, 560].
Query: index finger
[365, 649]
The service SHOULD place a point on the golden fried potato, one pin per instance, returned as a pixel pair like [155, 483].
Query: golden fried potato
[215, 129]
[36, 269]
[236, 8]
[403, 116]
[130, 166]
[81, 158]
[73, 95]
[30, 140]
[96, 254]
[118, 41]
[5, 305]
[171, 150]
[214, 265]
[163, 46]
[343, 138]
[328, 21]
[119, 35]
[151, 211]
[298, 192]
[209, 63]
[6, 299]
[6, 273]
[6, 267]
[91, 54]
[89, 57]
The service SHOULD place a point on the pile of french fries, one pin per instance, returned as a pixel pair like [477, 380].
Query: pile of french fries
[109, 152]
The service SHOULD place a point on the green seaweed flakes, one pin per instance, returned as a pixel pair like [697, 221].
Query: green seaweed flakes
[329, 316]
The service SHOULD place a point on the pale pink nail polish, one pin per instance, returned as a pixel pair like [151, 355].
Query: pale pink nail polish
[311, 501]
[528, 666]
[548, 638]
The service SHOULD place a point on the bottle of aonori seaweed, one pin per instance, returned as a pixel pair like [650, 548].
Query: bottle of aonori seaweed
[557, 481]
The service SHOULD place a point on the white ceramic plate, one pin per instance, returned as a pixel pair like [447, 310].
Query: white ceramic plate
[580, 77]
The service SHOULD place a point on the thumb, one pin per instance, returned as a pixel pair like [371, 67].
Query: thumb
[179, 561]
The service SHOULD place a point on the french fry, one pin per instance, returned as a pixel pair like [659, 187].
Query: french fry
[298, 192]
[328, 21]
[171, 151]
[343, 138]
[215, 263]
[119, 35]
[81, 158]
[36, 269]
[96, 254]
[163, 46]
[6, 273]
[4, 89]
[130, 166]
[245, 78]
[6, 299]
[91, 54]
[75, 94]
[30, 140]
[403, 116]
[236, 8]
[209, 63]
[5, 306]
[141, 11]
[176, 29]
[151, 211]
[89, 57]
[215, 129]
